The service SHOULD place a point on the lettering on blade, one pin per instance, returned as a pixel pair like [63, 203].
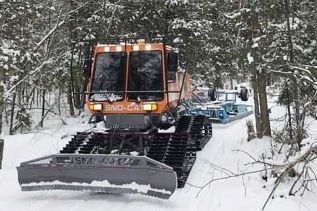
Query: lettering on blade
[100, 161]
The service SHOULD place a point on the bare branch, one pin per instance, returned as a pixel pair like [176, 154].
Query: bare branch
[223, 178]
[290, 166]
[58, 24]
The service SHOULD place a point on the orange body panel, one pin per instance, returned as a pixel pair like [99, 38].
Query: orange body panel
[124, 106]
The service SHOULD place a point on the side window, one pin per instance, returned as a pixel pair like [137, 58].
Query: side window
[172, 65]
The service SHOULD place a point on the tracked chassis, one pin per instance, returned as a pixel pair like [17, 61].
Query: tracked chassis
[147, 162]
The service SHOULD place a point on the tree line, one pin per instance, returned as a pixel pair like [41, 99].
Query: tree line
[265, 42]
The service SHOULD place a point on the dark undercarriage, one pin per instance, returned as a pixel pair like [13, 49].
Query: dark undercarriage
[176, 149]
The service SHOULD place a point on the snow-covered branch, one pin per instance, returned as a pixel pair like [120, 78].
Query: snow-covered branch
[57, 25]
[305, 158]
[39, 68]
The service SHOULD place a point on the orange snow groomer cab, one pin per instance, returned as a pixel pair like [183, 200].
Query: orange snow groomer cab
[135, 85]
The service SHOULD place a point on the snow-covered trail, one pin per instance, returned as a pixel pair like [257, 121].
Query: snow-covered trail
[35, 145]
[219, 157]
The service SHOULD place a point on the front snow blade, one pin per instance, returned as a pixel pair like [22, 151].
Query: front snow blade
[98, 173]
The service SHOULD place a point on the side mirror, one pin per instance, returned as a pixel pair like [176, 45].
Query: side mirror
[172, 61]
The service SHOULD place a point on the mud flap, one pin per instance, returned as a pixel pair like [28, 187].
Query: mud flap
[98, 173]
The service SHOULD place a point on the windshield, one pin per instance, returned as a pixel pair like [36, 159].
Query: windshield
[109, 77]
[145, 76]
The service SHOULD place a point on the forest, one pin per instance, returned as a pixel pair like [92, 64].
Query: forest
[271, 40]
[270, 44]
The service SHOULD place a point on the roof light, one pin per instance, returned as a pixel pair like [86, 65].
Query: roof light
[106, 49]
[148, 47]
[141, 41]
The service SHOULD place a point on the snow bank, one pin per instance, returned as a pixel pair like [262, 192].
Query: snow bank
[226, 155]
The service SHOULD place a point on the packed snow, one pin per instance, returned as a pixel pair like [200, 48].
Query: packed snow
[104, 183]
[224, 157]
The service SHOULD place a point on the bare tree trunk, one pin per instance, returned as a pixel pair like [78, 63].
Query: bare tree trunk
[49, 109]
[59, 102]
[257, 113]
[290, 122]
[299, 135]
[43, 109]
[22, 93]
[70, 102]
[1, 151]
[32, 98]
[258, 86]
[315, 9]
[37, 97]
[1, 111]
[264, 111]
[12, 114]
[6, 112]
[1, 99]
[299, 129]
[70, 88]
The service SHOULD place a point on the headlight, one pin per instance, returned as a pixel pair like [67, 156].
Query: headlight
[150, 107]
[96, 107]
